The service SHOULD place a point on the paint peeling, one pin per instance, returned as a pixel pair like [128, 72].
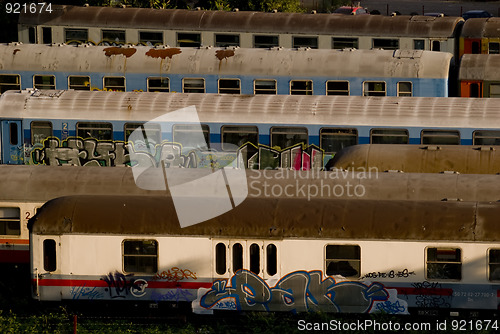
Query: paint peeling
[16, 51]
[223, 54]
[127, 52]
[163, 53]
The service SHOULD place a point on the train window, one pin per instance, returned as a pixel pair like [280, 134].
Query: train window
[374, 88]
[10, 221]
[337, 88]
[436, 46]
[115, 84]
[385, 43]
[344, 260]
[419, 44]
[265, 41]
[151, 37]
[494, 265]
[286, 137]
[113, 36]
[220, 258]
[78, 82]
[47, 35]
[301, 87]
[76, 35]
[304, 42]
[187, 136]
[224, 40]
[150, 131]
[9, 82]
[237, 257]
[99, 131]
[40, 131]
[44, 82]
[333, 140]
[13, 130]
[271, 259]
[140, 256]
[229, 86]
[238, 136]
[188, 39]
[158, 85]
[440, 137]
[49, 255]
[255, 258]
[495, 90]
[264, 86]
[192, 85]
[405, 88]
[389, 136]
[486, 137]
[345, 43]
[494, 48]
[444, 263]
[32, 35]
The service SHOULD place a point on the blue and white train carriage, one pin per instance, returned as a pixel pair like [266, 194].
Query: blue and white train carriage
[225, 70]
[271, 131]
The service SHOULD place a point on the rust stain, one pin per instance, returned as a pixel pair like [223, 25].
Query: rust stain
[222, 54]
[127, 52]
[16, 51]
[163, 53]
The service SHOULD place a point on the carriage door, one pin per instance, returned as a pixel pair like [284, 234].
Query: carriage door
[47, 263]
[12, 143]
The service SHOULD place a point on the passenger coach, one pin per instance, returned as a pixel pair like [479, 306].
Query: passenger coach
[225, 70]
[298, 132]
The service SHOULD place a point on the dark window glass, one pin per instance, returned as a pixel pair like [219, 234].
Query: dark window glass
[151, 37]
[47, 35]
[49, 255]
[9, 82]
[305, 42]
[286, 137]
[494, 265]
[10, 221]
[344, 260]
[444, 263]
[486, 137]
[237, 136]
[99, 131]
[188, 39]
[237, 257]
[333, 140]
[440, 137]
[223, 40]
[220, 259]
[383, 43]
[337, 88]
[271, 259]
[389, 136]
[13, 133]
[344, 43]
[40, 131]
[140, 256]
[255, 258]
[265, 41]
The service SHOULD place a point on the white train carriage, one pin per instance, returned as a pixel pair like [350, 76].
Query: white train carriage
[225, 70]
[270, 254]
[179, 27]
[24, 189]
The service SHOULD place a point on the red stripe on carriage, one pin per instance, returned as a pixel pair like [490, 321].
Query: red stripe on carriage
[103, 284]
[424, 292]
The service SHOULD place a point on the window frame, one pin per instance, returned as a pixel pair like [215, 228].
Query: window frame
[275, 130]
[407, 134]
[10, 215]
[307, 90]
[39, 125]
[336, 91]
[78, 86]
[327, 260]
[424, 135]
[194, 90]
[427, 262]
[106, 87]
[405, 93]
[475, 136]
[158, 89]
[237, 129]
[50, 85]
[114, 31]
[225, 44]
[372, 92]
[80, 126]
[17, 85]
[345, 43]
[156, 256]
[353, 132]
[265, 91]
[263, 45]
[296, 45]
[229, 90]
[192, 43]
[80, 30]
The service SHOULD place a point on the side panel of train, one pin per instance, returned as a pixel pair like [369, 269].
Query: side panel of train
[296, 146]
[268, 275]
[227, 71]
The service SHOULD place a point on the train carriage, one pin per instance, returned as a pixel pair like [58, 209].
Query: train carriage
[226, 70]
[480, 36]
[270, 254]
[24, 189]
[479, 75]
[297, 132]
[179, 27]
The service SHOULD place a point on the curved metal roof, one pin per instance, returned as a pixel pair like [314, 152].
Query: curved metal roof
[258, 109]
[245, 21]
[42, 183]
[264, 63]
[420, 158]
[275, 218]
[483, 67]
[481, 27]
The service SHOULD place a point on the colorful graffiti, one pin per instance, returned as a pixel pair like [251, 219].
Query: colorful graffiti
[77, 151]
[300, 291]
[120, 285]
[175, 274]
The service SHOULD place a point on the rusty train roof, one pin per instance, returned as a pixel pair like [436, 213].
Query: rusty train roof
[481, 27]
[420, 158]
[264, 63]
[245, 21]
[483, 67]
[275, 218]
[42, 183]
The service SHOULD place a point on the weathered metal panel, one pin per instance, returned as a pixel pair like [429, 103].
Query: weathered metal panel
[484, 67]
[420, 158]
[243, 21]
[240, 61]
[481, 27]
[275, 218]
